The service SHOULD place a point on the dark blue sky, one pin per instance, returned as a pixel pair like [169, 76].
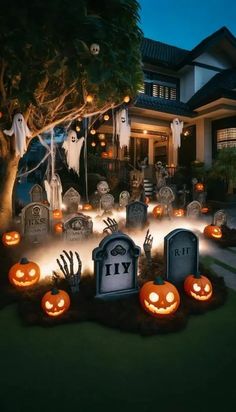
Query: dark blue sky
[184, 23]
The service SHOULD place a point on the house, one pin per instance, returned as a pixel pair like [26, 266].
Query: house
[196, 86]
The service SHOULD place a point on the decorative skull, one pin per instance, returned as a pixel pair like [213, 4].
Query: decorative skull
[103, 187]
[94, 49]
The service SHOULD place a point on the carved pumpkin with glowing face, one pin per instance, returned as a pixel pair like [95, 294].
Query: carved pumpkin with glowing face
[58, 228]
[24, 273]
[57, 214]
[199, 187]
[198, 287]
[212, 232]
[178, 212]
[55, 302]
[159, 298]
[87, 206]
[157, 211]
[11, 238]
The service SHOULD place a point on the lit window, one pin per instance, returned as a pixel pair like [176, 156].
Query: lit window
[226, 138]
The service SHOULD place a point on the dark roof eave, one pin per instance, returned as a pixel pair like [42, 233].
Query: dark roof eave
[218, 94]
[169, 110]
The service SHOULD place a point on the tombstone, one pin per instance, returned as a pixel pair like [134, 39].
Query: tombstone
[220, 218]
[116, 266]
[36, 193]
[124, 198]
[194, 209]
[180, 254]
[35, 220]
[183, 196]
[71, 200]
[78, 227]
[136, 214]
[107, 202]
[165, 197]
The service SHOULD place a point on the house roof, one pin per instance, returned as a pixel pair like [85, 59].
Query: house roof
[163, 105]
[223, 84]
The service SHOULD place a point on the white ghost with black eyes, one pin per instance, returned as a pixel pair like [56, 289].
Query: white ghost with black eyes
[176, 127]
[20, 130]
[123, 127]
[72, 146]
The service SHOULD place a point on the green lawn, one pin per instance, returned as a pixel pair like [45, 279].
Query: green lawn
[86, 367]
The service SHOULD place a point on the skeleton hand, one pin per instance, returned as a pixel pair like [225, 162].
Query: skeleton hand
[73, 277]
[111, 224]
[147, 245]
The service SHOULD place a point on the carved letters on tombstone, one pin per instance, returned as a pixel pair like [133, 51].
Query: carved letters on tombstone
[78, 227]
[136, 214]
[124, 198]
[194, 209]
[71, 200]
[107, 202]
[35, 221]
[115, 266]
[180, 254]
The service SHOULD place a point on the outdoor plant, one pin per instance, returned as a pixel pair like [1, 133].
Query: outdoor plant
[224, 168]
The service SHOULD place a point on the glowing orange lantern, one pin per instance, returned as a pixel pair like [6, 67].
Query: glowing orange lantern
[199, 187]
[198, 287]
[212, 232]
[104, 155]
[58, 228]
[11, 238]
[57, 214]
[157, 211]
[24, 273]
[87, 206]
[178, 212]
[55, 302]
[126, 99]
[89, 98]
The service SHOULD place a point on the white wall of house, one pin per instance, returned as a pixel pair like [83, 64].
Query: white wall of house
[201, 77]
[217, 60]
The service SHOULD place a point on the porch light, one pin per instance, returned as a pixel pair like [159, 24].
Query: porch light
[93, 131]
[106, 117]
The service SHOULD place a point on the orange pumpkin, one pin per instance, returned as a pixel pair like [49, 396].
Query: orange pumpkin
[57, 214]
[24, 273]
[178, 212]
[157, 211]
[205, 210]
[199, 187]
[11, 238]
[104, 155]
[212, 232]
[159, 298]
[58, 227]
[55, 302]
[198, 287]
[87, 206]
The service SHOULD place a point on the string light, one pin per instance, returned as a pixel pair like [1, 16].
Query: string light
[126, 99]
[89, 98]
[93, 144]
[106, 117]
[103, 144]
[101, 136]
[93, 131]
[77, 128]
[144, 131]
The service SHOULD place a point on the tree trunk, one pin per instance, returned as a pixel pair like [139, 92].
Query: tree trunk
[8, 174]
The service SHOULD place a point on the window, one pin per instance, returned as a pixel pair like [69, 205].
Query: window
[158, 85]
[226, 138]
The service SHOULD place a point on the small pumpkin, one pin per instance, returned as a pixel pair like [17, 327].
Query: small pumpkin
[178, 212]
[58, 228]
[55, 302]
[157, 211]
[198, 287]
[11, 238]
[212, 232]
[87, 206]
[159, 298]
[199, 187]
[205, 210]
[57, 214]
[24, 273]
[104, 155]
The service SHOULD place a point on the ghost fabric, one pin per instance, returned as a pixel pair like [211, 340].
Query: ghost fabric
[54, 192]
[20, 130]
[72, 146]
[123, 127]
[176, 127]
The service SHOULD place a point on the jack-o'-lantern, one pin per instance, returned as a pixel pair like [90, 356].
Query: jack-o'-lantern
[204, 210]
[157, 211]
[178, 212]
[87, 206]
[24, 273]
[199, 187]
[198, 287]
[159, 298]
[58, 228]
[57, 214]
[55, 302]
[104, 155]
[212, 232]
[11, 238]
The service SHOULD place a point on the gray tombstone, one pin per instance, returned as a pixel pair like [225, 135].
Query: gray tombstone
[71, 200]
[194, 209]
[220, 218]
[124, 198]
[107, 202]
[36, 193]
[136, 214]
[35, 220]
[115, 266]
[180, 254]
[78, 227]
[166, 196]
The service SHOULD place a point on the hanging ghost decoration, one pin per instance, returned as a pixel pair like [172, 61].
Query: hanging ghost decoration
[176, 127]
[123, 127]
[54, 192]
[20, 130]
[72, 146]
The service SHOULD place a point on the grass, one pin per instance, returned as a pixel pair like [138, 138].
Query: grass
[86, 367]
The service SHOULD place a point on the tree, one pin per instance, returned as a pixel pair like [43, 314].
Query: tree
[224, 167]
[47, 70]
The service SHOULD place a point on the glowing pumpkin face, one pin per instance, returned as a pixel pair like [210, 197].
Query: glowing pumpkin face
[58, 227]
[11, 238]
[204, 210]
[212, 232]
[87, 206]
[24, 274]
[178, 212]
[57, 214]
[157, 211]
[198, 287]
[199, 187]
[55, 302]
[159, 298]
